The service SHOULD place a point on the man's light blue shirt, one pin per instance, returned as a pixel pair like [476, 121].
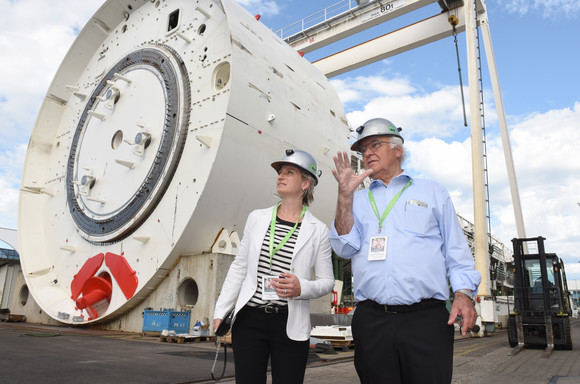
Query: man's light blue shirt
[425, 245]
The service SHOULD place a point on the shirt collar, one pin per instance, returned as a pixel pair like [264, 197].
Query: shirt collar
[403, 177]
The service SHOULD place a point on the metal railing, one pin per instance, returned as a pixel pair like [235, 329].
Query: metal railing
[319, 17]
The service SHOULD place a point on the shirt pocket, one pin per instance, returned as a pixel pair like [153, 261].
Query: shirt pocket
[419, 220]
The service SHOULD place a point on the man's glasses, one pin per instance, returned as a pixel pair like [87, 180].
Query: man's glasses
[373, 146]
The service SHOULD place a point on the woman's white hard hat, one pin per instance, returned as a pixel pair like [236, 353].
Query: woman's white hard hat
[300, 159]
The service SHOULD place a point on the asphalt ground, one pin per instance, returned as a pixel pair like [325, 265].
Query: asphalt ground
[42, 354]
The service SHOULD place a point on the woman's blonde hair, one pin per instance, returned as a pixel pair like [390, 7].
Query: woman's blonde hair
[308, 193]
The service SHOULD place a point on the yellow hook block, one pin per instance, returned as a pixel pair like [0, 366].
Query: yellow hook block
[453, 20]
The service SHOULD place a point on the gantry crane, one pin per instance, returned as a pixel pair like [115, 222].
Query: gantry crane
[348, 17]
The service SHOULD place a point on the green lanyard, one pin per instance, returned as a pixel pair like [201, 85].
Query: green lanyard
[389, 207]
[273, 229]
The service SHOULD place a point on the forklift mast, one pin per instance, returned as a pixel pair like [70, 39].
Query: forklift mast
[542, 308]
[540, 281]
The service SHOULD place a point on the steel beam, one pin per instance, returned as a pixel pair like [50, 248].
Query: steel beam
[350, 22]
[477, 168]
[413, 36]
[509, 161]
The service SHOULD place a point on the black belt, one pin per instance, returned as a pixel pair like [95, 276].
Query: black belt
[271, 308]
[423, 304]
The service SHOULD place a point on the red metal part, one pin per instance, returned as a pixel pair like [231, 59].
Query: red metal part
[345, 310]
[94, 290]
[124, 275]
[87, 271]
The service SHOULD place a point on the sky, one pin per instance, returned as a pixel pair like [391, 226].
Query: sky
[537, 52]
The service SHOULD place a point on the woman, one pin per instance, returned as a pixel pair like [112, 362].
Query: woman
[270, 279]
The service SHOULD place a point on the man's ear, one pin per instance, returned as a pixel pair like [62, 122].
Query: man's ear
[399, 153]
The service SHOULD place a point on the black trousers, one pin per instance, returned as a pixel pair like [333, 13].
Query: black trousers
[413, 347]
[257, 336]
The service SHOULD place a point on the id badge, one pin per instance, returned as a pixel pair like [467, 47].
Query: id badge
[268, 290]
[378, 248]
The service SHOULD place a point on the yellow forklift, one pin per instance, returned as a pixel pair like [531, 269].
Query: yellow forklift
[542, 311]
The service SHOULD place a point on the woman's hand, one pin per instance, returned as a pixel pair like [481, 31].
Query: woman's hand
[216, 324]
[287, 285]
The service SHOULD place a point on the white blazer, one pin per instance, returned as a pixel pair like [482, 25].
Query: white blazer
[311, 251]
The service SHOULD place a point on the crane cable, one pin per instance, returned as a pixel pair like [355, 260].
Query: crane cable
[454, 21]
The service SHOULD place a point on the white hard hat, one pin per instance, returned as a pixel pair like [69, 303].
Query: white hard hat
[376, 127]
[302, 160]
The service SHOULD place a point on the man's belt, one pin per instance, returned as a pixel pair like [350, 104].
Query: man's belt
[421, 305]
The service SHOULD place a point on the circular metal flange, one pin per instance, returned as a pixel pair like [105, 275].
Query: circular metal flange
[146, 94]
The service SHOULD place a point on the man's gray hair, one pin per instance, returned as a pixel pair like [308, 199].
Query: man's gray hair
[398, 142]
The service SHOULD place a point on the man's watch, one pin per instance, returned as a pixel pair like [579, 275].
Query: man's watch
[468, 293]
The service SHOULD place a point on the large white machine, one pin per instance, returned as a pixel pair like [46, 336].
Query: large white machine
[154, 142]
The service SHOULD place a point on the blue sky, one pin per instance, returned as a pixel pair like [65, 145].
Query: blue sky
[537, 52]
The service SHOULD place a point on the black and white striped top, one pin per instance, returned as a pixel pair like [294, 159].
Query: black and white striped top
[281, 261]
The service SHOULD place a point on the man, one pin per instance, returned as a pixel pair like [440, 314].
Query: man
[402, 329]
